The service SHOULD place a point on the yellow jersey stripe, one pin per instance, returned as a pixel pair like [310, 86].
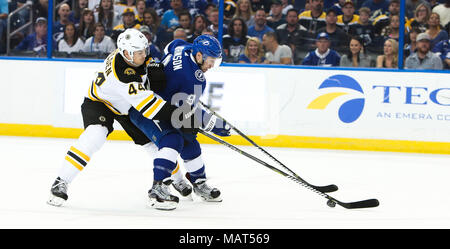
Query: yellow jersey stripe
[176, 169]
[89, 93]
[144, 102]
[74, 163]
[151, 110]
[79, 153]
[113, 64]
[107, 103]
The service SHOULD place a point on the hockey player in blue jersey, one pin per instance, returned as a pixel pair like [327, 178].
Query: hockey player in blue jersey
[184, 65]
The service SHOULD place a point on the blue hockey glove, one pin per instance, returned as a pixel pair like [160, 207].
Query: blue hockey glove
[217, 126]
[223, 132]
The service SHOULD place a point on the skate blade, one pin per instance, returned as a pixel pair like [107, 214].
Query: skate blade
[55, 201]
[167, 205]
[218, 199]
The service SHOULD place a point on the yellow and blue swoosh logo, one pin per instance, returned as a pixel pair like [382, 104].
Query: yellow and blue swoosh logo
[350, 110]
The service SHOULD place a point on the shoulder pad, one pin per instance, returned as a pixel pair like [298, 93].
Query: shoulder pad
[126, 73]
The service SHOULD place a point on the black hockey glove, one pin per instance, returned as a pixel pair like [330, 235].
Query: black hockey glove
[156, 77]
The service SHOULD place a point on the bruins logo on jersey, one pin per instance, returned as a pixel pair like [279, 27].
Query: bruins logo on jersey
[129, 71]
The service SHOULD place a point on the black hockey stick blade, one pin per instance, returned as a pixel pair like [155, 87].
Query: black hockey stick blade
[327, 188]
[359, 204]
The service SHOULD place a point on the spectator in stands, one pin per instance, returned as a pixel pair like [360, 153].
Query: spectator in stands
[348, 18]
[160, 6]
[291, 33]
[423, 58]
[276, 18]
[377, 7]
[180, 33]
[261, 4]
[443, 10]
[63, 19]
[86, 27]
[364, 28]
[152, 50]
[392, 30]
[285, 6]
[382, 21]
[411, 6]
[198, 26]
[389, 58]
[253, 53]
[276, 53]
[434, 30]
[313, 19]
[40, 9]
[302, 7]
[209, 7]
[420, 19]
[185, 21]
[70, 41]
[159, 35]
[338, 7]
[106, 14]
[99, 42]
[196, 7]
[338, 37]
[75, 14]
[322, 55]
[4, 11]
[442, 49]
[93, 4]
[121, 5]
[140, 8]
[36, 41]
[356, 56]
[234, 42]
[213, 18]
[411, 42]
[244, 11]
[128, 19]
[260, 27]
[229, 9]
[170, 18]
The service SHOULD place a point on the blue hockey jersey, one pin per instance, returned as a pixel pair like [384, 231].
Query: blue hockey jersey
[184, 77]
[330, 59]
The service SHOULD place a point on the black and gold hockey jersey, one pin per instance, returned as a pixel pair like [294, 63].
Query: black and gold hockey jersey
[312, 24]
[120, 86]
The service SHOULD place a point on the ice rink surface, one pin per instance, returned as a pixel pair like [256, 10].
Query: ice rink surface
[413, 189]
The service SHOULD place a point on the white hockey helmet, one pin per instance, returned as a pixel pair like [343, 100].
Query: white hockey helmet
[131, 40]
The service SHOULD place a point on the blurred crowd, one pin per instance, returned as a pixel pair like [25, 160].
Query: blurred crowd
[348, 33]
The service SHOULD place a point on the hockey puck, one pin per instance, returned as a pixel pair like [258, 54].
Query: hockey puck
[331, 203]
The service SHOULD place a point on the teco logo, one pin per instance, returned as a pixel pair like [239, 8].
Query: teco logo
[350, 110]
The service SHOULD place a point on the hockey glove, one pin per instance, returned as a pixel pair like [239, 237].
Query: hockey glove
[217, 126]
[156, 77]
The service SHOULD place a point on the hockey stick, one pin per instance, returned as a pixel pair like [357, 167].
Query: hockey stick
[325, 189]
[331, 201]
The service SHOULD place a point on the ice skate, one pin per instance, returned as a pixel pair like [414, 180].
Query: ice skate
[160, 196]
[58, 193]
[182, 187]
[206, 192]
